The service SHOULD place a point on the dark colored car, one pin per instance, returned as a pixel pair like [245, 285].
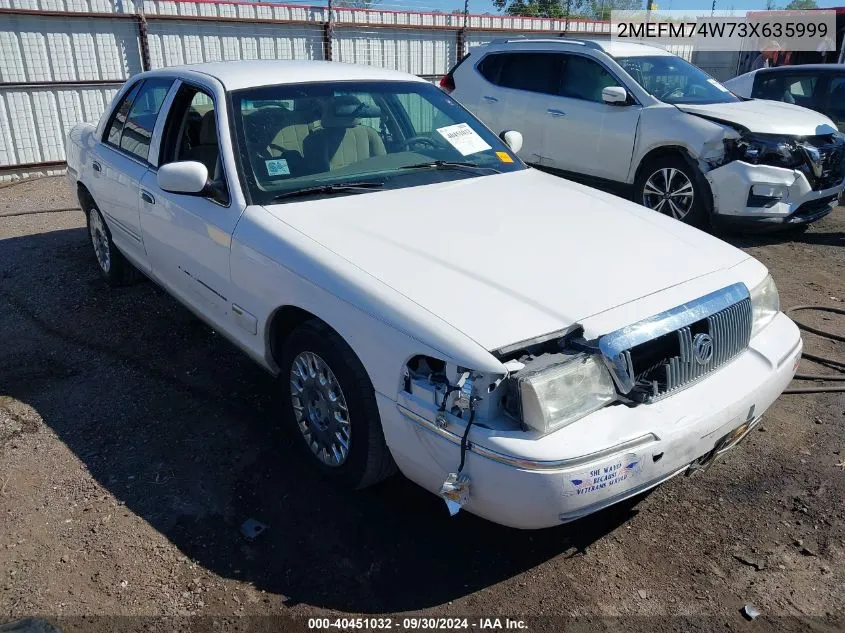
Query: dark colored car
[820, 87]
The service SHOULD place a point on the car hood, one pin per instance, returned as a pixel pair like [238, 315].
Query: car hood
[508, 257]
[766, 117]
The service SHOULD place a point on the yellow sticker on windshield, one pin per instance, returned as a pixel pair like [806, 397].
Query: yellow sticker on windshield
[504, 157]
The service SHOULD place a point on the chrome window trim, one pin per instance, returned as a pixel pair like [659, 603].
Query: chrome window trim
[613, 345]
[521, 462]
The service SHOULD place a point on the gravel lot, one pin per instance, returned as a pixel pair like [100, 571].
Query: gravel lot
[134, 442]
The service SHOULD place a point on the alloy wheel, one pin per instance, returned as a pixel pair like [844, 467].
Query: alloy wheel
[669, 191]
[320, 410]
[100, 240]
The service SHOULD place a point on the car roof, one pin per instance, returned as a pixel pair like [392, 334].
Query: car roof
[614, 48]
[805, 67]
[236, 75]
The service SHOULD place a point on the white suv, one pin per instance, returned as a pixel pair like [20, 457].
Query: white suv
[638, 119]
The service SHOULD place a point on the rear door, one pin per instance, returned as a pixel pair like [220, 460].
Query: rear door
[582, 133]
[498, 105]
[121, 160]
[530, 81]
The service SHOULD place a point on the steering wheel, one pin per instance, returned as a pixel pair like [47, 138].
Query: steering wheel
[423, 140]
[679, 92]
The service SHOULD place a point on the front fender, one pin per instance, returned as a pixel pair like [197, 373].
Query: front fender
[273, 265]
[667, 126]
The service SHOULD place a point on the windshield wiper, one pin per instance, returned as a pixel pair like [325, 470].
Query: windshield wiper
[329, 190]
[448, 164]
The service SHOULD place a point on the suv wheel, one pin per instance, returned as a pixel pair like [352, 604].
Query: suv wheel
[675, 187]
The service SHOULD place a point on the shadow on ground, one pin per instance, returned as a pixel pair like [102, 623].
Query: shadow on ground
[180, 426]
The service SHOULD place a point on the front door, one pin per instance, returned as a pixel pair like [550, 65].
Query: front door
[583, 134]
[188, 237]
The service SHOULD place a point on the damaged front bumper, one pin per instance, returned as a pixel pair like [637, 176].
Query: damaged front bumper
[764, 195]
[604, 458]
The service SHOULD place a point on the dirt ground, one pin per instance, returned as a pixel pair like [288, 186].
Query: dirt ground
[134, 442]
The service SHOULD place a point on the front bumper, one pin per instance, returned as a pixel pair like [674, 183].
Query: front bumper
[732, 184]
[604, 458]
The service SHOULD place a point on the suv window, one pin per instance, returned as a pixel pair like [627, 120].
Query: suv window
[138, 129]
[534, 72]
[490, 67]
[835, 98]
[790, 88]
[585, 79]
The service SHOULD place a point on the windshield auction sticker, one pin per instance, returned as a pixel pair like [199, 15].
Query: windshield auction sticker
[603, 476]
[463, 138]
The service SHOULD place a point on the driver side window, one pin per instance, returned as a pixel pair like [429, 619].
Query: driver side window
[191, 135]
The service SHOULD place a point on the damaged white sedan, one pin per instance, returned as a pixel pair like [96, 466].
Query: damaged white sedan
[528, 348]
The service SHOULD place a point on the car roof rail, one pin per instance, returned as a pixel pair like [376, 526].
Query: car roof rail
[557, 40]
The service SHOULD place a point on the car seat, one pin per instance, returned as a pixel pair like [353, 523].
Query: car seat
[207, 151]
[342, 140]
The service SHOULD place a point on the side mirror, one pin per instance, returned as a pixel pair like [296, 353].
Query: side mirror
[512, 139]
[614, 95]
[186, 176]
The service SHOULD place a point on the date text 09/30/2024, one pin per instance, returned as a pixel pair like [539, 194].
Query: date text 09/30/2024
[411, 623]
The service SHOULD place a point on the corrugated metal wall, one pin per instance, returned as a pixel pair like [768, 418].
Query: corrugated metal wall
[61, 61]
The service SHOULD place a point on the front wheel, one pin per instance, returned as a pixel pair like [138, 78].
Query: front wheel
[330, 404]
[675, 187]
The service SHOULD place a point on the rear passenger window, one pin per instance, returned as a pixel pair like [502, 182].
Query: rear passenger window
[789, 88]
[534, 72]
[138, 129]
[118, 120]
[489, 68]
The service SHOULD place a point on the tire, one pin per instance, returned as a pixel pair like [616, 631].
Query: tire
[113, 266]
[309, 409]
[684, 178]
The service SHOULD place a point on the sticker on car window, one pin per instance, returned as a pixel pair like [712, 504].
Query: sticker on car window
[603, 476]
[463, 138]
[277, 167]
[504, 157]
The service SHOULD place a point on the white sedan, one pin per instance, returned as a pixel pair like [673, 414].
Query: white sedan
[528, 348]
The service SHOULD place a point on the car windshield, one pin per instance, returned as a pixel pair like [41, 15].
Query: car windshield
[673, 80]
[321, 139]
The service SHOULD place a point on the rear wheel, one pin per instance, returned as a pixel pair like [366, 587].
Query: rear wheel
[675, 187]
[330, 405]
[114, 267]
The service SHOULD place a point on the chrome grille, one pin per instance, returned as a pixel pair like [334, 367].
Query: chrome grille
[669, 352]
[729, 330]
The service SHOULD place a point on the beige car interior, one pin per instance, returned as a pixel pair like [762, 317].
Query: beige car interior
[313, 138]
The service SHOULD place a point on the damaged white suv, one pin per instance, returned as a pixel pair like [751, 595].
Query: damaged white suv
[529, 348]
[639, 120]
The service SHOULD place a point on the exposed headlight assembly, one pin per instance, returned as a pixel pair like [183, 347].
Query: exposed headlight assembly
[557, 395]
[765, 304]
[769, 149]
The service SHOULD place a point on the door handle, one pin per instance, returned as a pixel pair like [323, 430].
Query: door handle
[147, 197]
[96, 166]
[489, 99]
[556, 112]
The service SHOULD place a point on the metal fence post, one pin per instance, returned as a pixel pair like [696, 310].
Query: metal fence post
[143, 40]
[328, 33]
